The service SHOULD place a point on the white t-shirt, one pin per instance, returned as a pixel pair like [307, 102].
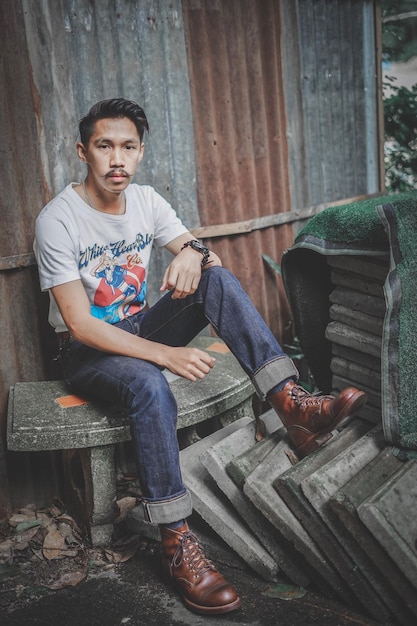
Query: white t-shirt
[108, 253]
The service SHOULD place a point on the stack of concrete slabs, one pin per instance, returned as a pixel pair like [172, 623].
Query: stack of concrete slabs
[216, 459]
[318, 488]
[390, 515]
[212, 505]
[259, 488]
[288, 486]
[345, 504]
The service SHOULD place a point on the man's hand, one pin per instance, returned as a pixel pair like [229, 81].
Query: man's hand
[190, 363]
[183, 274]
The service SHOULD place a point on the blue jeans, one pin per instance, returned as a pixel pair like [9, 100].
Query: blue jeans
[141, 388]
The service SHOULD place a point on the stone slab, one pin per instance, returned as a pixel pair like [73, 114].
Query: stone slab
[390, 515]
[373, 397]
[339, 333]
[356, 372]
[212, 505]
[357, 319]
[353, 281]
[318, 488]
[259, 489]
[344, 505]
[288, 486]
[359, 301]
[348, 353]
[246, 461]
[215, 460]
[373, 268]
[370, 413]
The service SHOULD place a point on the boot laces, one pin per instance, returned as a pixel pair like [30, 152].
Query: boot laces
[306, 399]
[191, 551]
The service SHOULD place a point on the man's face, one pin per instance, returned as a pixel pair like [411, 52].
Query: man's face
[113, 154]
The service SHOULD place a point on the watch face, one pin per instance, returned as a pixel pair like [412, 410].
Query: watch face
[198, 246]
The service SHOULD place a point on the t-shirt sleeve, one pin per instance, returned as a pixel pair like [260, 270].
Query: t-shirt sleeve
[168, 225]
[54, 252]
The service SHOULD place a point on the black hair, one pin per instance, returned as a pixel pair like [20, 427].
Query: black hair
[114, 107]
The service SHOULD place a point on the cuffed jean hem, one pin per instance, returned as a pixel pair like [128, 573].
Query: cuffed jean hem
[272, 373]
[169, 510]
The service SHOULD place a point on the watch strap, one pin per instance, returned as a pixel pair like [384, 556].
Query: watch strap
[198, 247]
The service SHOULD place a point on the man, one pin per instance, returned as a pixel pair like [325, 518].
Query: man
[93, 244]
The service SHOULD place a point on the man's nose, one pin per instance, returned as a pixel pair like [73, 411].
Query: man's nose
[117, 158]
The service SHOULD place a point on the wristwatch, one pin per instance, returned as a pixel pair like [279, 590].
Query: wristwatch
[199, 247]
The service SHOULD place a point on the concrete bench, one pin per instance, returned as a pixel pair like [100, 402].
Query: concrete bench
[43, 416]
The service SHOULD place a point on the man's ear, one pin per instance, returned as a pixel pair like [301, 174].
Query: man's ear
[81, 151]
[142, 151]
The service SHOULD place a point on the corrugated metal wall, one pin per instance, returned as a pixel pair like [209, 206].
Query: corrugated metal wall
[239, 125]
[237, 133]
[58, 57]
[330, 63]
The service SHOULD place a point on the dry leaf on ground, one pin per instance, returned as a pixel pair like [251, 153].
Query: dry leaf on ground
[124, 505]
[54, 544]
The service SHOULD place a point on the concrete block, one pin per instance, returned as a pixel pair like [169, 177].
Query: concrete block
[288, 486]
[336, 332]
[353, 281]
[212, 505]
[357, 319]
[356, 373]
[358, 301]
[370, 413]
[245, 462]
[390, 515]
[374, 398]
[348, 353]
[318, 488]
[374, 268]
[344, 505]
[259, 489]
[215, 460]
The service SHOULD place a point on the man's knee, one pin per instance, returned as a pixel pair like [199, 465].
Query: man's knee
[151, 391]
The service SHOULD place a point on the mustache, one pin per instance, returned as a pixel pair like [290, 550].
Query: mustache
[118, 172]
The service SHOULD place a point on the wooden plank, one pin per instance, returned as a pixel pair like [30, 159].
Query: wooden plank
[17, 261]
[266, 221]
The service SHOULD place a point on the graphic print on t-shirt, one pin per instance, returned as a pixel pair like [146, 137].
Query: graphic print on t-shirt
[121, 290]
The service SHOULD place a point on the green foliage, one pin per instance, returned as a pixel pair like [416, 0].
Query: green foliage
[399, 44]
[400, 150]
[399, 32]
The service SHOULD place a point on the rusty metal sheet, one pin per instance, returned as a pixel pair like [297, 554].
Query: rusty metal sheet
[239, 125]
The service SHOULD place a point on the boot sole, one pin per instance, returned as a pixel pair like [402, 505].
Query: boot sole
[318, 439]
[211, 610]
[198, 608]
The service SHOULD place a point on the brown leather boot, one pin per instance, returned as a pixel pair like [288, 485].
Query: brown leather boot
[202, 587]
[310, 418]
